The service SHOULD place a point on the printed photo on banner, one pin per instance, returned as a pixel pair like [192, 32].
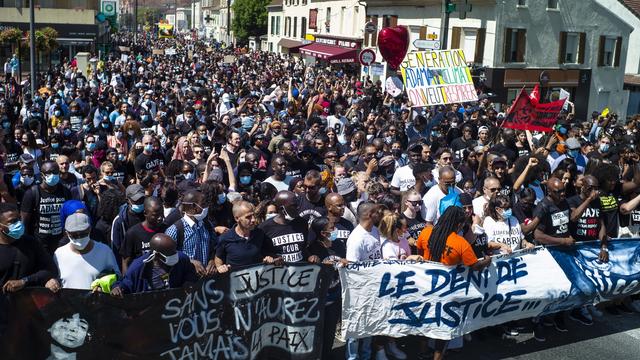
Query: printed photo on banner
[437, 77]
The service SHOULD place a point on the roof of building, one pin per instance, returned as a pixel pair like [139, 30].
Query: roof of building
[633, 6]
[632, 79]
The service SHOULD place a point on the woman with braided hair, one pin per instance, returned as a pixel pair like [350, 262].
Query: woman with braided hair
[443, 243]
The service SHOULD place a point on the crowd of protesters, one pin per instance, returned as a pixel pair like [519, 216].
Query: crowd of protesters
[160, 169]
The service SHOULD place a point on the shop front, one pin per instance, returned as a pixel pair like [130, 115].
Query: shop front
[334, 50]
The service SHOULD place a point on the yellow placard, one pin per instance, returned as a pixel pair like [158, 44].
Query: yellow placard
[165, 31]
[310, 37]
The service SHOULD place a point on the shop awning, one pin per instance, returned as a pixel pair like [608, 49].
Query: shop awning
[333, 54]
[290, 44]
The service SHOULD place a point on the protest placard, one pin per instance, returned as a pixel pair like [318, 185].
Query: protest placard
[437, 77]
[229, 59]
[158, 52]
[400, 298]
[255, 312]
[170, 51]
[526, 114]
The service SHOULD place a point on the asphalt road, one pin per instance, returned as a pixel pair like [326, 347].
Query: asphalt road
[611, 337]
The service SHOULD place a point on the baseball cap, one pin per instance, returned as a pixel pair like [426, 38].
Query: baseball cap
[27, 158]
[345, 186]
[572, 143]
[135, 192]
[77, 222]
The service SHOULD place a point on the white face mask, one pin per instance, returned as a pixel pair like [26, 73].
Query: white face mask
[203, 214]
[286, 215]
[80, 243]
[171, 260]
[270, 216]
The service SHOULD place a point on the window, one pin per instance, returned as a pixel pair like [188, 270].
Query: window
[327, 20]
[287, 26]
[609, 52]
[522, 2]
[295, 27]
[273, 24]
[514, 45]
[389, 20]
[552, 4]
[277, 25]
[270, 47]
[572, 48]
[303, 30]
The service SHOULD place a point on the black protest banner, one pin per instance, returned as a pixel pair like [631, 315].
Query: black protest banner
[257, 312]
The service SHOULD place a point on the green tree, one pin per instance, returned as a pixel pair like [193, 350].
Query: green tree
[249, 18]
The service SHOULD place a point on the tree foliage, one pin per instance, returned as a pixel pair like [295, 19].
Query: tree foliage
[249, 18]
[46, 39]
[10, 35]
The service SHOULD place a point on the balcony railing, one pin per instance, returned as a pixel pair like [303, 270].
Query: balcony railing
[55, 4]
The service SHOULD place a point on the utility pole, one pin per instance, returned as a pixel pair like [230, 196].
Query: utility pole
[135, 22]
[229, 20]
[32, 45]
[444, 23]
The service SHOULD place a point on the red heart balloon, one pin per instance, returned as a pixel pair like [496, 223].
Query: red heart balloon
[393, 43]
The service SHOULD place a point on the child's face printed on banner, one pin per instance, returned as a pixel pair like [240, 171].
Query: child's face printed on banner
[70, 332]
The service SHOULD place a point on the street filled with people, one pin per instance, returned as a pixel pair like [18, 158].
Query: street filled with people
[156, 170]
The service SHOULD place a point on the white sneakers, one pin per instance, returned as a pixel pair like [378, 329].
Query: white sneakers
[393, 350]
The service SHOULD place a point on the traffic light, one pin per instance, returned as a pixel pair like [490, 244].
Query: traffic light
[463, 7]
[449, 6]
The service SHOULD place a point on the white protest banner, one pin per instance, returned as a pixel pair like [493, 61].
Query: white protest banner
[402, 298]
[170, 51]
[437, 77]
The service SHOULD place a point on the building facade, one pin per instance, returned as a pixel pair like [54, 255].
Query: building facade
[75, 22]
[580, 45]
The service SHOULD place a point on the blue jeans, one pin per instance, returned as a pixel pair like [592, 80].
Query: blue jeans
[352, 349]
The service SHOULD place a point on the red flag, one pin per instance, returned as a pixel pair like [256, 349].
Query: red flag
[524, 114]
[521, 113]
[535, 95]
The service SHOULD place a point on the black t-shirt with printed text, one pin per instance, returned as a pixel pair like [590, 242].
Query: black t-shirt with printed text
[287, 240]
[44, 207]
[587, 226]
[554, 219]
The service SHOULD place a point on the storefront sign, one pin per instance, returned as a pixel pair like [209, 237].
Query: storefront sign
[346, 43]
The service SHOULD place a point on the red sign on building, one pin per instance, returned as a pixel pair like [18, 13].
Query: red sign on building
[313, 19]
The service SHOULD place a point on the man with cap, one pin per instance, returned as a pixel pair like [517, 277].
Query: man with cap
[129, 215]
[83, 260]
[403, 179]
[164, 267]
[21, 180]
[573, 147]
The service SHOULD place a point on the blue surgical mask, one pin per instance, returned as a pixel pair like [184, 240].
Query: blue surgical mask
[245, 180]
[333, 236]
[604, 148]
[55, 145]
[323, 190]
[66, 132]
[574, 153]
[121, 157]
[105, 125]
[52, 179]
[222, 198]
[109, 177]
[57, 113]
[507, 213]
[15, 230]
[137, 208]
[148, 148]
[91, 146]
